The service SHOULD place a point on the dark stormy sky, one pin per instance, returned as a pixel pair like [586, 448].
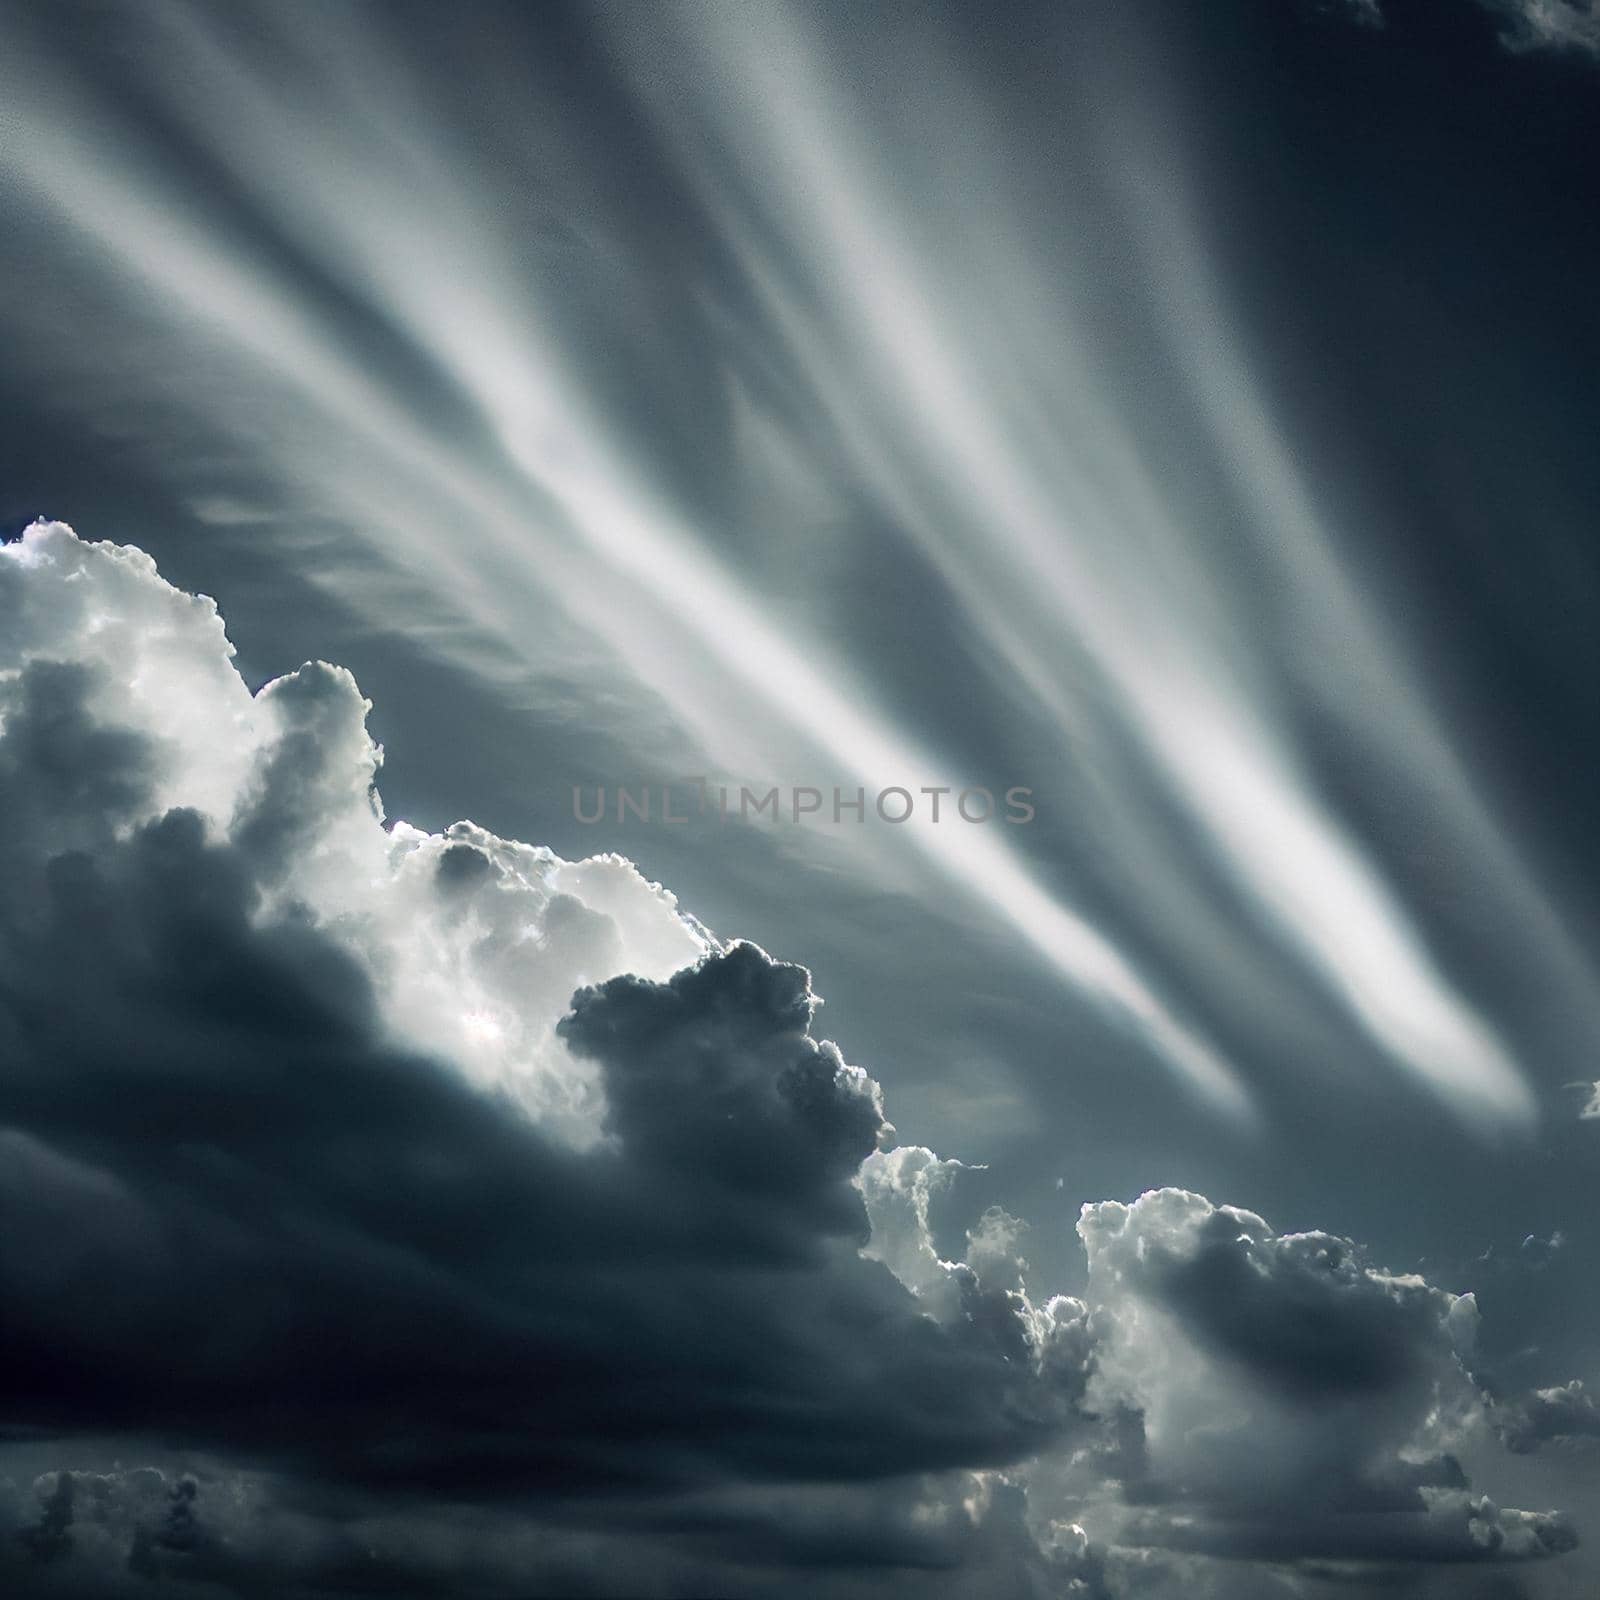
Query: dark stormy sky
[1184, 412]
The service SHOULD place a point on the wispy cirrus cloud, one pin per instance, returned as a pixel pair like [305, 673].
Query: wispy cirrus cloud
[1549, 24]
[404, 358]
[1526, 25]
[549, 502]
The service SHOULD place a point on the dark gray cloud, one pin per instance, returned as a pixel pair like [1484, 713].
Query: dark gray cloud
[628, 1289]
[300, 274]
[1565, 1411]
[1188, 410]
[377, 1229]
[244, 1216]
[1283, 1399]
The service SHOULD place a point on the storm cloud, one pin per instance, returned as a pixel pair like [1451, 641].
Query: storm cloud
[427, 1213]
[612, 1250]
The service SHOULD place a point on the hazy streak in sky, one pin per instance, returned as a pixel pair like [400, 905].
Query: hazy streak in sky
[1344, 631]
[560, 447]
[984, 436]
[1179, 690]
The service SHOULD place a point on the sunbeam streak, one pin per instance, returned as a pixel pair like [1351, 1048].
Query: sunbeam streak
[1079, 559]
[557, 446]
[979, 424]
[796, 798]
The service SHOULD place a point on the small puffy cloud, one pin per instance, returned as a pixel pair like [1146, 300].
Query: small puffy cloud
[134, 1528]
[1284, 1399]
[1364, 13]
[1525, 25]
[898, 1186]
[1572, 25]
[714, 1085]
[1562, 1412]
[994, 1249]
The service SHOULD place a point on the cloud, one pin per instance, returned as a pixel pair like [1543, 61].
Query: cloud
[1548, 24]
[605, 529]
[1286, 1399]
[432, 1214]
[1564, 1411]
[1364, 13]
[1526, 25]
[324, 1173]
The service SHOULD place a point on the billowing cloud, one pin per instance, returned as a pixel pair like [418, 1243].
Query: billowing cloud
[265, 1054]
[1563, 1411]
[1286, 1399]
[429, 1212]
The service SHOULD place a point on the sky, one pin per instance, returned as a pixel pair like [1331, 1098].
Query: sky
[1159, 437]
